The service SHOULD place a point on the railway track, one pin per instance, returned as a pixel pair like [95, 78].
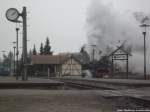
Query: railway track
[83, 86]
[139, 102]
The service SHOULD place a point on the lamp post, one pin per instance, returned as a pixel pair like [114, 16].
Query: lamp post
[14, 57]
[17, 53]
[3, 59]
[144, 26]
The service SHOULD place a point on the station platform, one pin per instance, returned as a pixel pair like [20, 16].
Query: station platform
[12, 83]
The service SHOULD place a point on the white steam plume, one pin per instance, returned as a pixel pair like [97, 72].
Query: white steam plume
[105, 27]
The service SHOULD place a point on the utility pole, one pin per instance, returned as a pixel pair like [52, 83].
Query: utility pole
[93, 53]
[93, 58]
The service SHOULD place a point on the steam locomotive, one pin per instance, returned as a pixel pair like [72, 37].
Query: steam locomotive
[101, 69]
[102, 73]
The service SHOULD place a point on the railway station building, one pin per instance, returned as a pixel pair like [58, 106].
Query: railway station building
[55, 65]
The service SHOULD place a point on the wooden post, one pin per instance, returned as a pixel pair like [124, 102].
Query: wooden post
[55, 70]
[127, 66]
[48, 71]
[61, 71]
[112, 65]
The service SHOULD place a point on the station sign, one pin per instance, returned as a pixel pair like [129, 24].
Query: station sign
[120, 55]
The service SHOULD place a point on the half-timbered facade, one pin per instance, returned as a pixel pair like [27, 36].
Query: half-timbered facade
[71, 67]
[56, 65]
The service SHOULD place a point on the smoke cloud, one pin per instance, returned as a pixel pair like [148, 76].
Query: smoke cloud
[108, 28]
[141, 17]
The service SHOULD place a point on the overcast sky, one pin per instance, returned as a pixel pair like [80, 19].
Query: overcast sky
[63, 21]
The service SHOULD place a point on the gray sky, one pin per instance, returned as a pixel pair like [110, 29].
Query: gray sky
[63, 21]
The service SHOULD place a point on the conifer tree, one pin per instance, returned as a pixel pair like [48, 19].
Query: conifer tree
[47, 47]
[41, 49]
[34, 51]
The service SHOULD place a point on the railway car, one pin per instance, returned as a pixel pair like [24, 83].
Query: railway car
[4, 72]
[102, 73]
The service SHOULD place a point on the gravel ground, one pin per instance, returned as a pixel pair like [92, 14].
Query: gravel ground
[60, 101]
[27, 100]
[49, 103]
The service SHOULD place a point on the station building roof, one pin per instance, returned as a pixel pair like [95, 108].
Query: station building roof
[50, 59]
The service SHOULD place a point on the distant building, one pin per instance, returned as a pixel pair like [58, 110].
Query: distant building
[56, 65]
[83, 58]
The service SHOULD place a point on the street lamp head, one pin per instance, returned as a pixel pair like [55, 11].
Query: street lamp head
[17, 29]
[3, 51]
[144, 27]
[144, 24]
[14, 42]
